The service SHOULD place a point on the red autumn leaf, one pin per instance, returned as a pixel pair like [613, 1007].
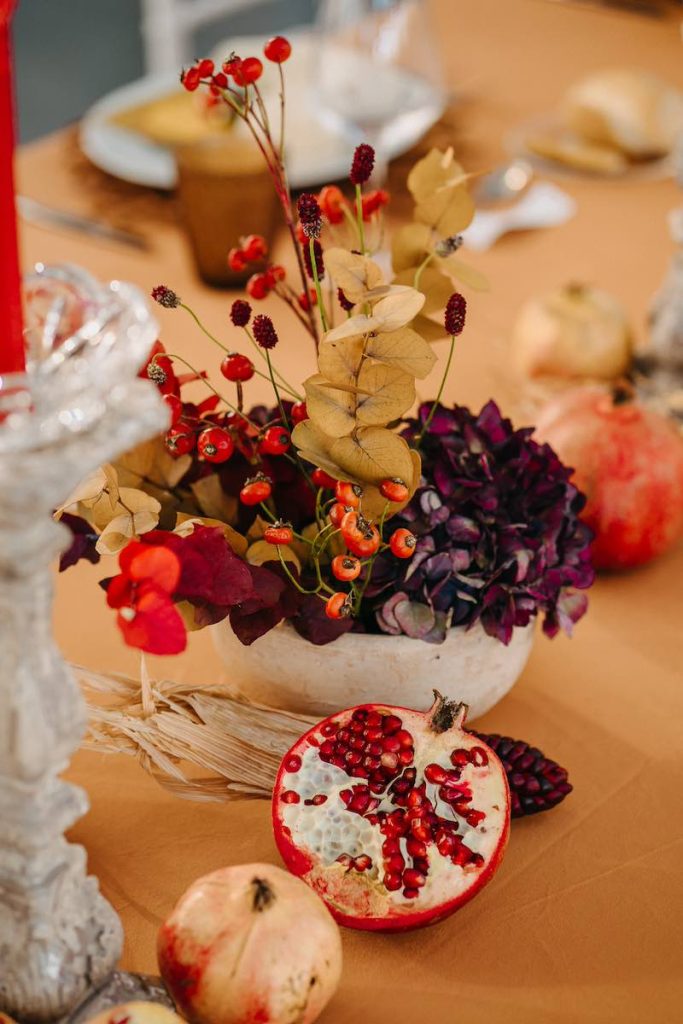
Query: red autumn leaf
[158, 565]
[154, 623]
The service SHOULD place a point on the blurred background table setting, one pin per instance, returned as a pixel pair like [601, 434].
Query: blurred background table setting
[567, 118]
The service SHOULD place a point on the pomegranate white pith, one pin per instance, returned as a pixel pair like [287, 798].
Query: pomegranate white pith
[395, 817]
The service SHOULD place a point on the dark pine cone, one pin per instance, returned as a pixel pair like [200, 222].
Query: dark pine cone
[536, 782]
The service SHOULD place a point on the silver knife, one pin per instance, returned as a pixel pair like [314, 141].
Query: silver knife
[39, 213]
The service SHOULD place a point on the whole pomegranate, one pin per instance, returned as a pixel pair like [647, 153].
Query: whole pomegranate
[249, 945]
[395, 817]
[576, 331]
[134, 1013]
[628, 460]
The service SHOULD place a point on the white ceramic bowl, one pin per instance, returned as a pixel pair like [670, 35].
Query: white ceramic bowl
[284, 671]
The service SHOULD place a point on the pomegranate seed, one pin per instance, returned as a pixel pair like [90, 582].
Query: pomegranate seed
[435, 773]
[290, 797]
[353, 757]
[391, 744]
[394, 863]
[392, 881]
[371, 763]
[346, 796]
[357, 743]
[420, 831]
[391, 724]
[326, 749]
[374, 719]
[411, 894]
[415, 798]
[421, 864]
[416, 848]
[390, 846]
[372, 735]
[406, 756]
[375, 749]
[359, 772]
[343, 735]
[460, 757]
[474, 818]
[363, 862]
[293, 763]
[345, 858]
[389, 761]
[445, 844]
[329, 729]
[319, 798]
[356, 727]
[461, 856]
[359, 715]
[479, 758]
[376, 787]
[404, 738]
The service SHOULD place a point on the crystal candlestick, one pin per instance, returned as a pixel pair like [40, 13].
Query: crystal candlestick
[80, 403]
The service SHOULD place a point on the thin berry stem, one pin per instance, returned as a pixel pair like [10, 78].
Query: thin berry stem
[359, 218]
[209, 385]
[283, 414]
[418, 273]
[436, 401]
[316, 282]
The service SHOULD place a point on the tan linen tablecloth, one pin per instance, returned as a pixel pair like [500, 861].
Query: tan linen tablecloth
[582, 921]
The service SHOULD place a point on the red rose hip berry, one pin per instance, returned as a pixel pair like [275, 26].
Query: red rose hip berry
[402, 543]
[215, 445]
[279, 533]
[346, 568]
[256, 489]
[338, 606]
[322, 479]
[237, 367]
[179, 440]
[394, 489]
[275, 441]
[277, 49]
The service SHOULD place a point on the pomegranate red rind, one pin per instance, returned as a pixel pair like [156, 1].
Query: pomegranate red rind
[396, 818]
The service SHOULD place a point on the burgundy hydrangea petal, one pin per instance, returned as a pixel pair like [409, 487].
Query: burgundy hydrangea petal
[313, 624]
[415, 620]
[83, 541]
[502, 508]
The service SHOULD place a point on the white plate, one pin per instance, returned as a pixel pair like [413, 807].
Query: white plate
[316, 152]
[515, 144]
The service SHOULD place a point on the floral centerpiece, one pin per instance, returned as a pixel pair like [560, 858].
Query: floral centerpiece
[338, 508]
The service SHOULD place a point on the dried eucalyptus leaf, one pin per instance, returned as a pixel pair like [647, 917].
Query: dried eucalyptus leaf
[212, 499]
[151, 463]
[437, 288]
[315, 446]
[330, 408]
[338, 361]
[404, 349]
[434, 172]
[355, 325]
[373, 455]
[398, 308]
[353, 273]
[262, 552]
[391, 392]
[409, 246]
[416, 620]
[430, 330]
[449, 211]
[465, 273]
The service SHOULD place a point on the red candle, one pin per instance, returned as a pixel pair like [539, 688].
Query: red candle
[11, 328]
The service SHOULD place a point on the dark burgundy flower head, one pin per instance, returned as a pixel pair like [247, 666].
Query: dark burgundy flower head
[499, 539]
[454, 317]
[264, 331]
[319, 262]
[165, 296]
[362, 164]
[240, 313]
[310, 215]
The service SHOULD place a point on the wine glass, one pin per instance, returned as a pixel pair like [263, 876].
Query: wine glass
[379, 74]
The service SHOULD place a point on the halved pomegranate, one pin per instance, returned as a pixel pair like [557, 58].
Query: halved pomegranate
[396, 818]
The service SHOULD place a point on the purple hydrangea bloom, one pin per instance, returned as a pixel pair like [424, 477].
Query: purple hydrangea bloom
[498, 535]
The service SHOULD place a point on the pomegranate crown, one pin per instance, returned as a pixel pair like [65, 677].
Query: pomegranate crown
[446, 714]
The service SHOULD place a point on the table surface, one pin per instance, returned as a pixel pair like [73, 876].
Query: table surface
[581, 922]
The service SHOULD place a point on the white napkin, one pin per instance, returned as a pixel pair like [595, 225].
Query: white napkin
[544, 205]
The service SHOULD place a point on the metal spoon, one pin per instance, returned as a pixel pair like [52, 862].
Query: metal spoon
[506, 182]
